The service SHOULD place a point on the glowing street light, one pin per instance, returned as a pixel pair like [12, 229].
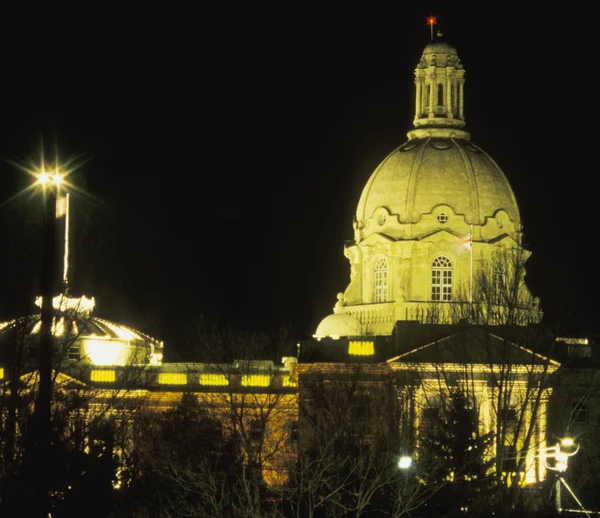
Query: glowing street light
[404, 462]
[48, 178]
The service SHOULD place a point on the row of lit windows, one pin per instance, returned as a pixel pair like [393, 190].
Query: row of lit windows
[212, 380]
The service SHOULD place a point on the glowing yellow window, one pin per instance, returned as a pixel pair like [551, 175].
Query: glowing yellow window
[356, 348]
[289, 382]
[256, 380]
[215, 380]
[103, 376]
[1, 373]
[172, 378]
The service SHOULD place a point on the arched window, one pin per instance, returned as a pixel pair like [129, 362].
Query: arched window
[440, 95]
[441, 279]
[381, 280]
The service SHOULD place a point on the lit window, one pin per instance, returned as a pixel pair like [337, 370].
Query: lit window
[1, 373]
[356, 348]
[442, 217]
[103, 376]
[172, 378]
[215, 380]
[441, 279]
[579, 411]
[381, 280]
[256, 380]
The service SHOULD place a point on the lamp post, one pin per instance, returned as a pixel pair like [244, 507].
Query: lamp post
[565, 448]
[50, 184]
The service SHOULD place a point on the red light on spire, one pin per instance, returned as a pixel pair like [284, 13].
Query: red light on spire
[431, 21]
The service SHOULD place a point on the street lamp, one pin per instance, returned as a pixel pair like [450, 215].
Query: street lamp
[50, 181]
[565, 448]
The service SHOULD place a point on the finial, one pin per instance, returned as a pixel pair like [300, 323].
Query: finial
[431, 21]
[439, 34]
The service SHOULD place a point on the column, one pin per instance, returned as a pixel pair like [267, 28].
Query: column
[418, 99]
[449, 98]
[432, 95]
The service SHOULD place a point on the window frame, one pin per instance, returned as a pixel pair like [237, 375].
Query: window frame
[441, 279]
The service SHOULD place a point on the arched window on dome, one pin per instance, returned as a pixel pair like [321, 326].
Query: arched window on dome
[440, 95]
[441, 279]
[381, 281]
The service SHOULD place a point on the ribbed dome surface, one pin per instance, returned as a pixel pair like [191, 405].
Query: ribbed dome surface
[424, 173]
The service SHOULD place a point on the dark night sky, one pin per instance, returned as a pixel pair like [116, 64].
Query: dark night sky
[224, 154]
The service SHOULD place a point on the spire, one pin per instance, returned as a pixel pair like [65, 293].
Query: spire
[431, 21]
[439, 82]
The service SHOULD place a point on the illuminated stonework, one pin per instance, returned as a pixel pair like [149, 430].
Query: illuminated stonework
[438, 197]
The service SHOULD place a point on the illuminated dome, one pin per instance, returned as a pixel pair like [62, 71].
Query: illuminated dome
[425, 173]
[83, 338]
[336, 325]
[436, 216]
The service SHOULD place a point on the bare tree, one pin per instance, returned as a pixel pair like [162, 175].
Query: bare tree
[350, 444]
[499, 369]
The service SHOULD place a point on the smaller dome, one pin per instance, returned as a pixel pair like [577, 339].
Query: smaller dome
[336, 325]
[440, 47]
